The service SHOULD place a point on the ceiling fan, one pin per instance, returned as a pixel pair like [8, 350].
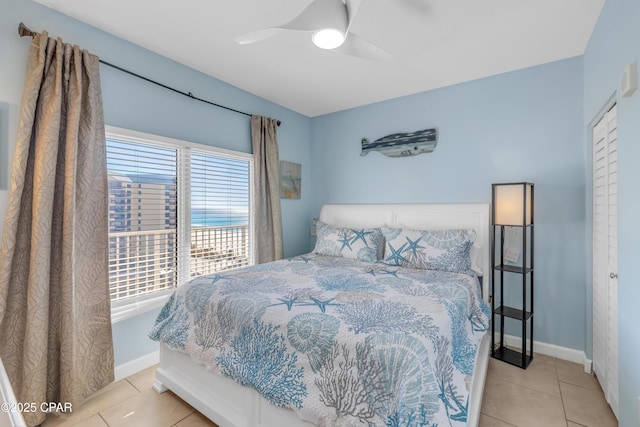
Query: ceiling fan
[330, 22]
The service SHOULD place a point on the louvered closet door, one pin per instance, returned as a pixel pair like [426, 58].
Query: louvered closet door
[605, 256]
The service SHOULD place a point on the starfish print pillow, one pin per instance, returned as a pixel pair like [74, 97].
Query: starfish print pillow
[444, 250]
[364, 244]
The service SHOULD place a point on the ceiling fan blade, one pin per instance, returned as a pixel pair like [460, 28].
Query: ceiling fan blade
[362, 48]
[319, 14]
[352, 11]
[256, 36]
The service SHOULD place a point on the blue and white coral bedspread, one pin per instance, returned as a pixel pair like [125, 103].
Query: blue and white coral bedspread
[339, 341]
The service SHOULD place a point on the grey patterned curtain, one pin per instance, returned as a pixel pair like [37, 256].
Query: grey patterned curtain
[267, 217]
[55, 326]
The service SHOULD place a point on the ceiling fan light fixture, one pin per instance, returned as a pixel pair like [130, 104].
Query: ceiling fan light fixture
[328, 38]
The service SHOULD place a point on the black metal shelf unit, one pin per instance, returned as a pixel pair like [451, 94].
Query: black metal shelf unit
[512, 261]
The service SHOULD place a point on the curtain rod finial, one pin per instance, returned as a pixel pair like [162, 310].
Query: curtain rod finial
[24, 31]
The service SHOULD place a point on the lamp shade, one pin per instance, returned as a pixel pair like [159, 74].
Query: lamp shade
[513, 203]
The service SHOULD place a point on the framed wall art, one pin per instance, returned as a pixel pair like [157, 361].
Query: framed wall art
[290, 180]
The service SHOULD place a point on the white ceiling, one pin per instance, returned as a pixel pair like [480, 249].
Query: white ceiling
[435, 43]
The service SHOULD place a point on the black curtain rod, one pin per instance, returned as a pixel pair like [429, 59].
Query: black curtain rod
[24, 31]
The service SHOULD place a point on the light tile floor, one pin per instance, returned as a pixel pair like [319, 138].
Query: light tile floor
[550, 393]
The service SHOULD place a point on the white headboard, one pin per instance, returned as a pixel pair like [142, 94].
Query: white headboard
[422, 217]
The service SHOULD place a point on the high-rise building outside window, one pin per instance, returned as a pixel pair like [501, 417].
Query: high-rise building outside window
[177, 210]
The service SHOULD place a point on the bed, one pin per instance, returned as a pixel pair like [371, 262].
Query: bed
[325, 339]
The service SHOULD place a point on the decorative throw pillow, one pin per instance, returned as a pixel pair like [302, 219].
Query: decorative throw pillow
[444, 250]
[364, 244]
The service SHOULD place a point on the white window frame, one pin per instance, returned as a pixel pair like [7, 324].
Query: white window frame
[131, 307]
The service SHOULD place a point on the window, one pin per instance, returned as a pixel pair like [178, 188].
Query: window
[176, 211]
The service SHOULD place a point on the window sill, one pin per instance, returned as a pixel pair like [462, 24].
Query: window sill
[126, 309]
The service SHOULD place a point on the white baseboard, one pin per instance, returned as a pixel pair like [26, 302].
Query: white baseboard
[563, 353]
[136, 365]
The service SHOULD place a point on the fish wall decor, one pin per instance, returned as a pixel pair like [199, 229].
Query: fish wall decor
[402, 144]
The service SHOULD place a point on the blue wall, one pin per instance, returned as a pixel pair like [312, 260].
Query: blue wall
[614, 44]
[134, 104]
[523, 125]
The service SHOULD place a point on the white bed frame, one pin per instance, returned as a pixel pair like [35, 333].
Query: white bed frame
[230, 405]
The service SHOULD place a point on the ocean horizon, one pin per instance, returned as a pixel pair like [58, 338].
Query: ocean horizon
[212, 218]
